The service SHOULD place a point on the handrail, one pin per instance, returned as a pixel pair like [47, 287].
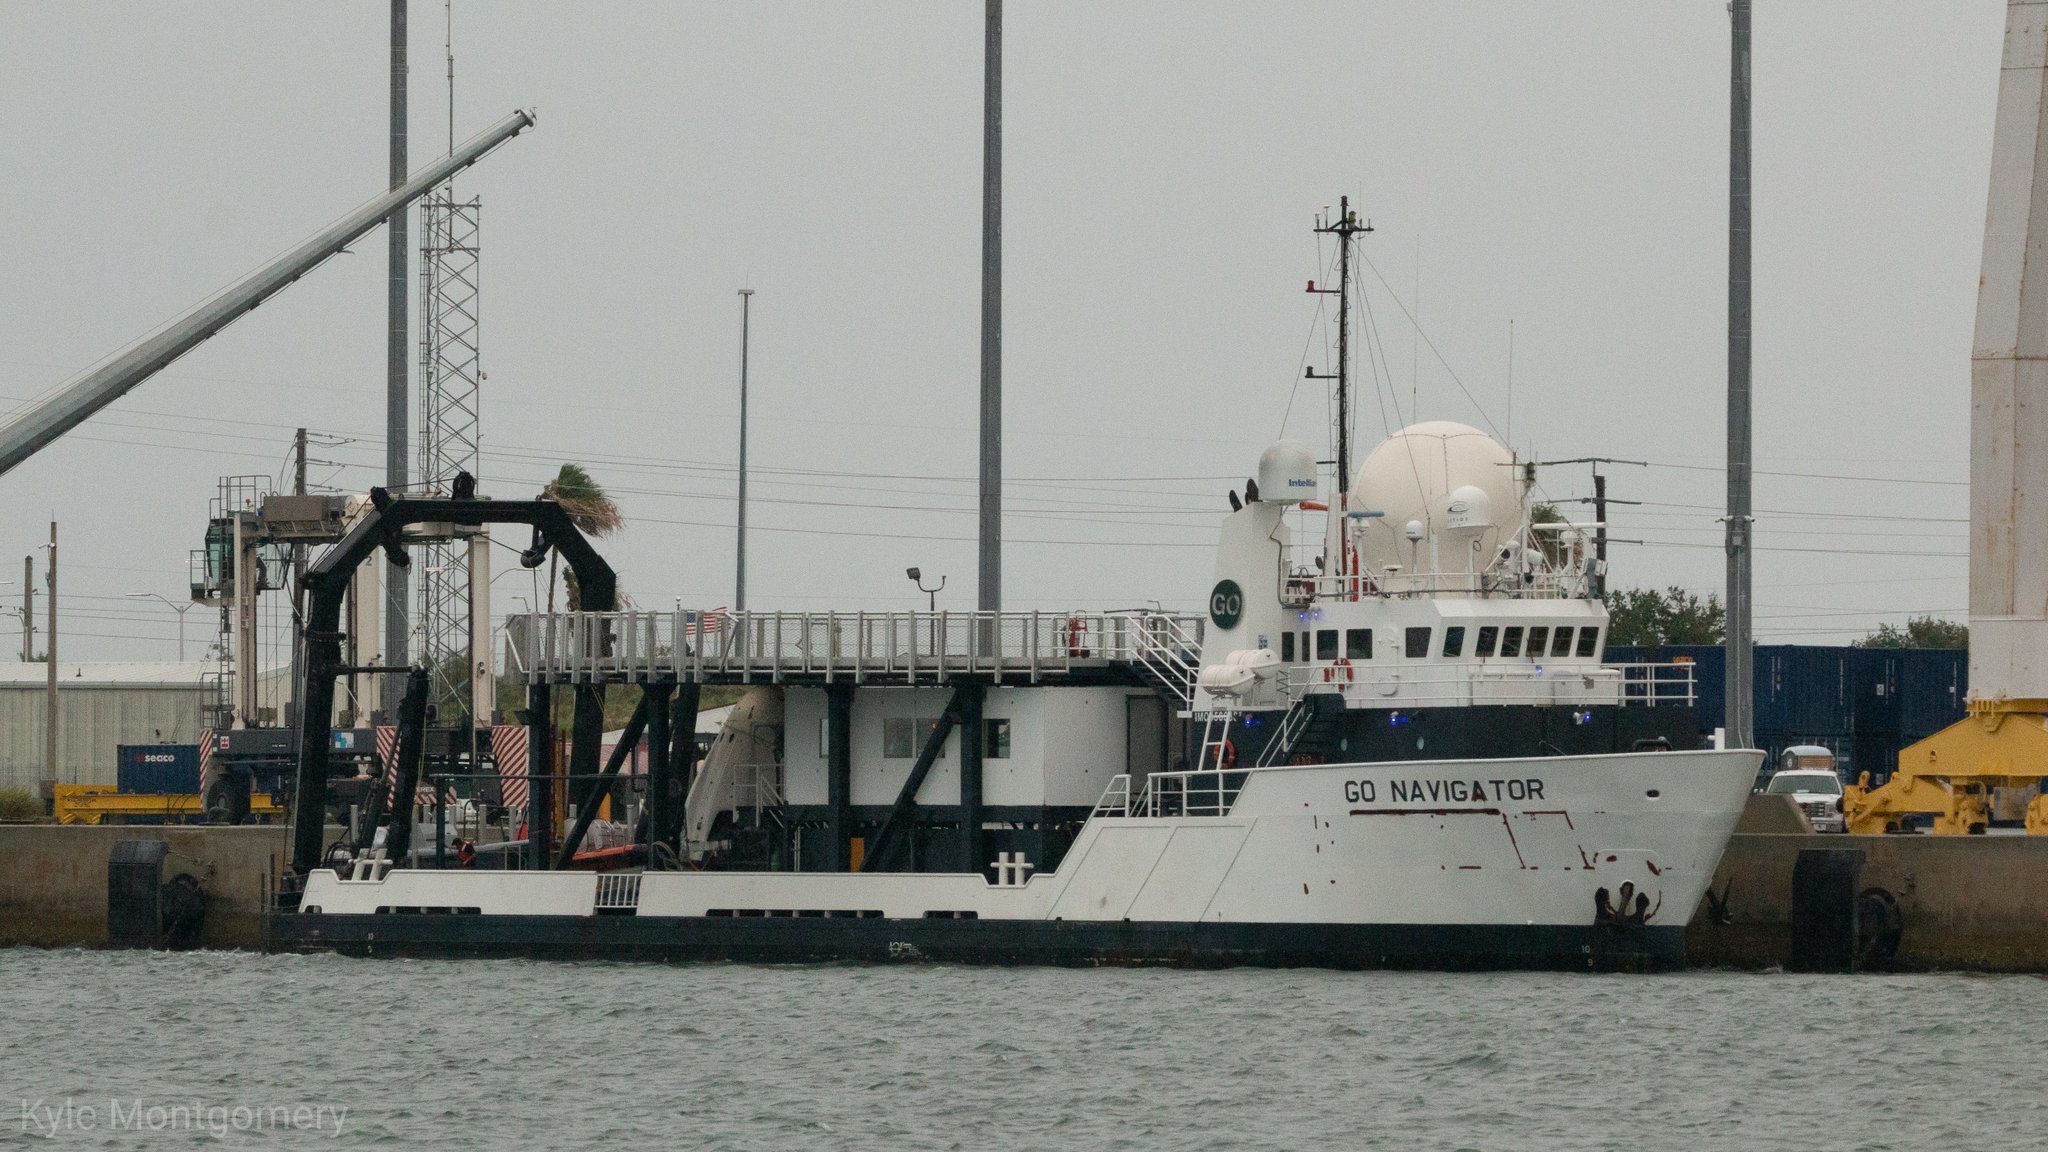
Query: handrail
[639, 645]
[1194, 792]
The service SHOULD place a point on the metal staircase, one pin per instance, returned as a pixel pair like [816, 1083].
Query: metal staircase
[1292, 726]
[1167, 648]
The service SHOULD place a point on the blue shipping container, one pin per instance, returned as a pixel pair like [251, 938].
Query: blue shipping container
[153, 769]
[1864, 703]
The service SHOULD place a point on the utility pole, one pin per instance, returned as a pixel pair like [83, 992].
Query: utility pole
[739, 592]
[397, 605]
[28, 609]
[1741, 671]
[990, 594]
[50, 669]
[1599, 501]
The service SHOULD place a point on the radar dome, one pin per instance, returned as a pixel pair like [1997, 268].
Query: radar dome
[1456, 481]
[1287, 473]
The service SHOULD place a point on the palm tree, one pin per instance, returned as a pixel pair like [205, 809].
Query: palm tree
[590, 509]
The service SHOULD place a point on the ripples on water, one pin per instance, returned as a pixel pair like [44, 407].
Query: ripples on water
[495, 1054]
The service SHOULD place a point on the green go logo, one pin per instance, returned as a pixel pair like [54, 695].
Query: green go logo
[1226, 604]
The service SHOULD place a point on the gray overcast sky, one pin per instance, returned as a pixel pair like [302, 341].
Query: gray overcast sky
[1560, 165]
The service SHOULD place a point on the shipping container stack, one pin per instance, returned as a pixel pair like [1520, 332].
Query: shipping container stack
[1863, 703]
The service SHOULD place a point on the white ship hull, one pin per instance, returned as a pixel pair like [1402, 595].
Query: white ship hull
[1553, 861]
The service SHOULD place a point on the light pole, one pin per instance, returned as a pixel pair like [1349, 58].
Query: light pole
[917, 578]
[180, 609]
[739, 594]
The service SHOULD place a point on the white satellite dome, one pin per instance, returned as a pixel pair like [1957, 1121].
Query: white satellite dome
[1287, 473]
[1456, 481]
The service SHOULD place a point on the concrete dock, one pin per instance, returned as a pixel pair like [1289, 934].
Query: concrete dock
[1976, 903]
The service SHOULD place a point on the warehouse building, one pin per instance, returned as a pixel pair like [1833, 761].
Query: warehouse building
[99, 708]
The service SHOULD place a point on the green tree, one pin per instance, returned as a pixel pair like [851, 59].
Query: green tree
[1673, 615]
[592, 511]
[1551, 544]
[1919, 632]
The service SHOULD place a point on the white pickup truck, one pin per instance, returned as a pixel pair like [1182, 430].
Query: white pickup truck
[1807, 775]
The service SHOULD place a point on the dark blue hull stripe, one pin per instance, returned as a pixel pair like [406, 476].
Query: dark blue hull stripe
[1050, 942]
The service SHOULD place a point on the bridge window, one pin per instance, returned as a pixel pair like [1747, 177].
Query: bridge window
[1454, 641]
[1418, 642]
[1511, 642]
[1487, 636]
[1589, 641]
[1287, 647]
[1358, 643]
[995, 739]
[1538, 637]
[1326, 644]
[1561, 644]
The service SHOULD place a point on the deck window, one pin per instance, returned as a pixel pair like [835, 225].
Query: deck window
[1358, 643]
[898, 734]
[1487, 635]
[1417, 640]
[903, 737]
[1511, 642]
[1326, 643]
[1287, 647]
[1454, 641]
[995, 739]
[1538, 637]
[1589, 641]
[1561, 642]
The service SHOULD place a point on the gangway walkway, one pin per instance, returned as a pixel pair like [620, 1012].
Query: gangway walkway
[883, 647]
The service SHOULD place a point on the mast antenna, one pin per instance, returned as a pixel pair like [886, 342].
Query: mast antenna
[1345, 227]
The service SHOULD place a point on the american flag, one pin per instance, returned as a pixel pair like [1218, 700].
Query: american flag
[508, 748]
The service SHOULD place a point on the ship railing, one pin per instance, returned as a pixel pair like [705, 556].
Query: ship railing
[1672, 684]
[1116, 799]
[1167, 646]
[640, 646]
[1195, 792]
[1292, 725]
[1512, 680]
[756, 786]
[1303, 588]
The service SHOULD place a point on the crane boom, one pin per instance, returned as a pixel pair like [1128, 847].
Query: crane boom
[25, 433]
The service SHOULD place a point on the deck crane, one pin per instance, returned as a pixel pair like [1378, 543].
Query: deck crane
[27, 431]
[2003, 742]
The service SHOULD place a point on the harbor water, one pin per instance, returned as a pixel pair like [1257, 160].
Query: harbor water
[127, 1050]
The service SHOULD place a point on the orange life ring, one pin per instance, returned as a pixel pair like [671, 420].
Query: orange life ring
[1226, 756]
[1339, 669]
[1077, 636]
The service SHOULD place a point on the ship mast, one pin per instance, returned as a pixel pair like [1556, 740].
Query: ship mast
[1344, 228]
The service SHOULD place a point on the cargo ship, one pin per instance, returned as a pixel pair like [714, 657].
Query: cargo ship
[1389, 740]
